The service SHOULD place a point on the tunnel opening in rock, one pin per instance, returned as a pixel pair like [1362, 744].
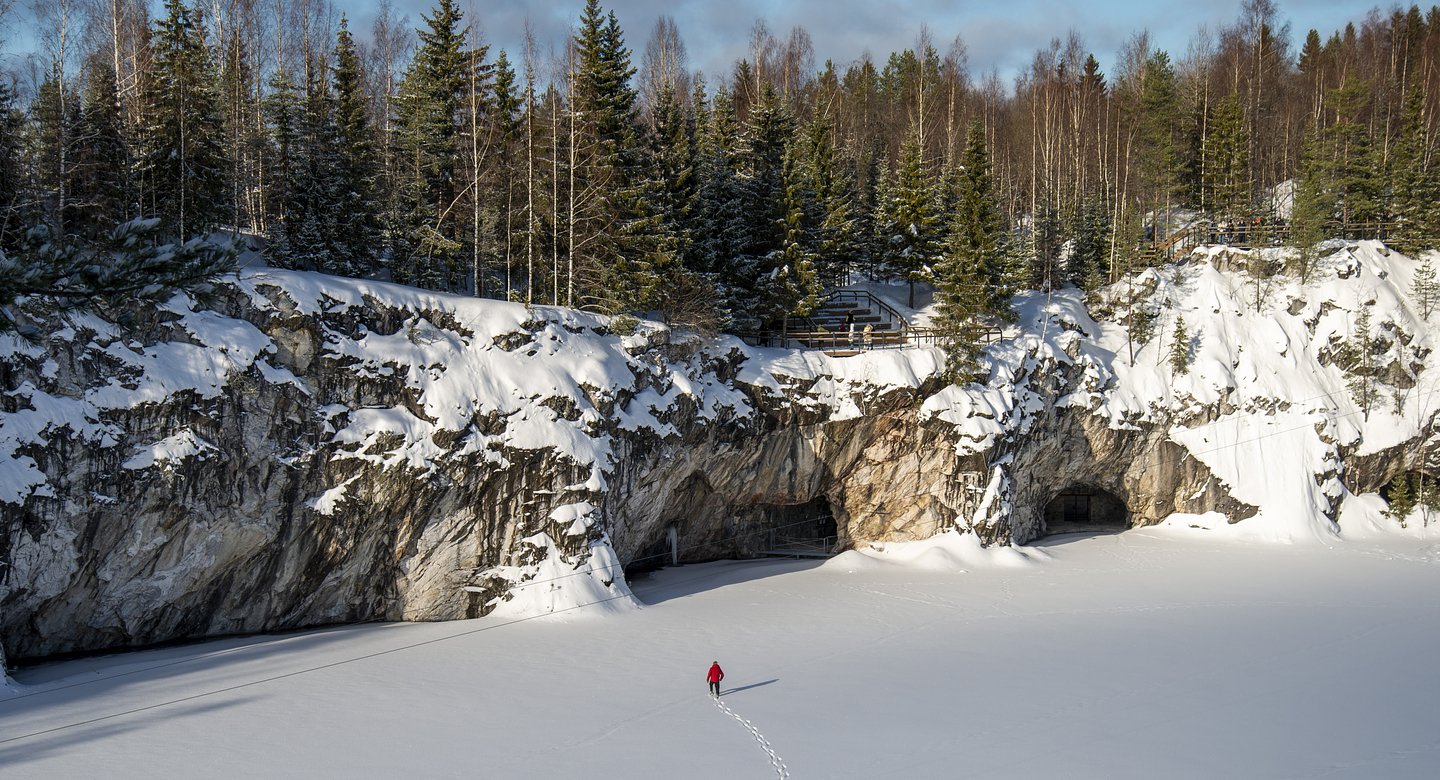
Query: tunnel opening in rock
[662, 551]
[1082, 508]
[802, 530]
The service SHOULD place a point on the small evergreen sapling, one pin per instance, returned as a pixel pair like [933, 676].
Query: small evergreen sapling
[1424, 288]
[1402, 499]
[1180, 349]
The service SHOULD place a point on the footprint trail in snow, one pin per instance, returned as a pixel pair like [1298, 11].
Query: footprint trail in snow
[781, 773]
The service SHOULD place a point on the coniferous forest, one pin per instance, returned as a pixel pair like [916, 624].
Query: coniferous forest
[601, 172]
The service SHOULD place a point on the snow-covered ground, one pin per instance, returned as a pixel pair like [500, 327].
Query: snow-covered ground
[1148, 654]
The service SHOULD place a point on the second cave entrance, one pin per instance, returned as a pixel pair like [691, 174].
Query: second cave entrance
[799, 531]
[1085, 508]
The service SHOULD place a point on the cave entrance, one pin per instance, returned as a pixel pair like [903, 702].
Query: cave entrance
[1085, 509]
[799, 530]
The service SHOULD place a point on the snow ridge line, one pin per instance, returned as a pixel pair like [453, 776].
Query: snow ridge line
[781, 772]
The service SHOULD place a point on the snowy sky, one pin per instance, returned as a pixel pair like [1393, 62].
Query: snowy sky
[999, 36]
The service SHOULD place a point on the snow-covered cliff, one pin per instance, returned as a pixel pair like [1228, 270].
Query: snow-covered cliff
[310, 450]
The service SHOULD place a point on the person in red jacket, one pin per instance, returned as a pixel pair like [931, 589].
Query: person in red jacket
[714, 677]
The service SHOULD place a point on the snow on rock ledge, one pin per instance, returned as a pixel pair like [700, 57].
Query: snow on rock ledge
[314, 450]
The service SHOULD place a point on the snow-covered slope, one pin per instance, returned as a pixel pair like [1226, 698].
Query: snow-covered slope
[310, 449]
[1271, 402]
[1138, 655]
[314, 450]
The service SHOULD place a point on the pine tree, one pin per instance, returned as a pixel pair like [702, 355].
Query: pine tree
[1179, 349]
[183, 161]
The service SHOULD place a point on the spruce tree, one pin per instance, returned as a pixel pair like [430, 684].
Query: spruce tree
[1402, 499]
[284, 116]
[245, 133]
[910, 225]
[1362, 366]
[1424, 288]
[838, 250]
[1415, 200]
[51, 139]
[672, 149]
[794, 288]
[1353, 164]
[721, 205]
[1179, 349]
[133, 262]
[871, 179]
[628, 252]
[1315, 204]
[969, 277]
[357, 225]
[183, 162]
[12, 173]
[763, 208]
[1157, 131]
[427, 238]
[1227, 161]
[1091, 234]
[319, 202]
[101, 192]
[506, 237]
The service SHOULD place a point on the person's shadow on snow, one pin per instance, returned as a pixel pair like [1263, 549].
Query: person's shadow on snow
[748, 687]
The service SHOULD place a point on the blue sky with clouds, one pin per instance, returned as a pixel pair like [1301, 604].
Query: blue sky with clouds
[1002, 35]
[997, 35]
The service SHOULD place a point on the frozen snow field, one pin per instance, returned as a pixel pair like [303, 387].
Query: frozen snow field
[1147, 654]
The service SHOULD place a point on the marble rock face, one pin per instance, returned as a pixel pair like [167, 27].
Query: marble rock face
[298, 454]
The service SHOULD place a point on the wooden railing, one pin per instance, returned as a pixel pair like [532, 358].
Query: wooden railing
[1252, 235]
[840, 340]
[808, 333]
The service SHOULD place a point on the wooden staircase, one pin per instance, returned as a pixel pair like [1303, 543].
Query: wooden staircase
[838, 326]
